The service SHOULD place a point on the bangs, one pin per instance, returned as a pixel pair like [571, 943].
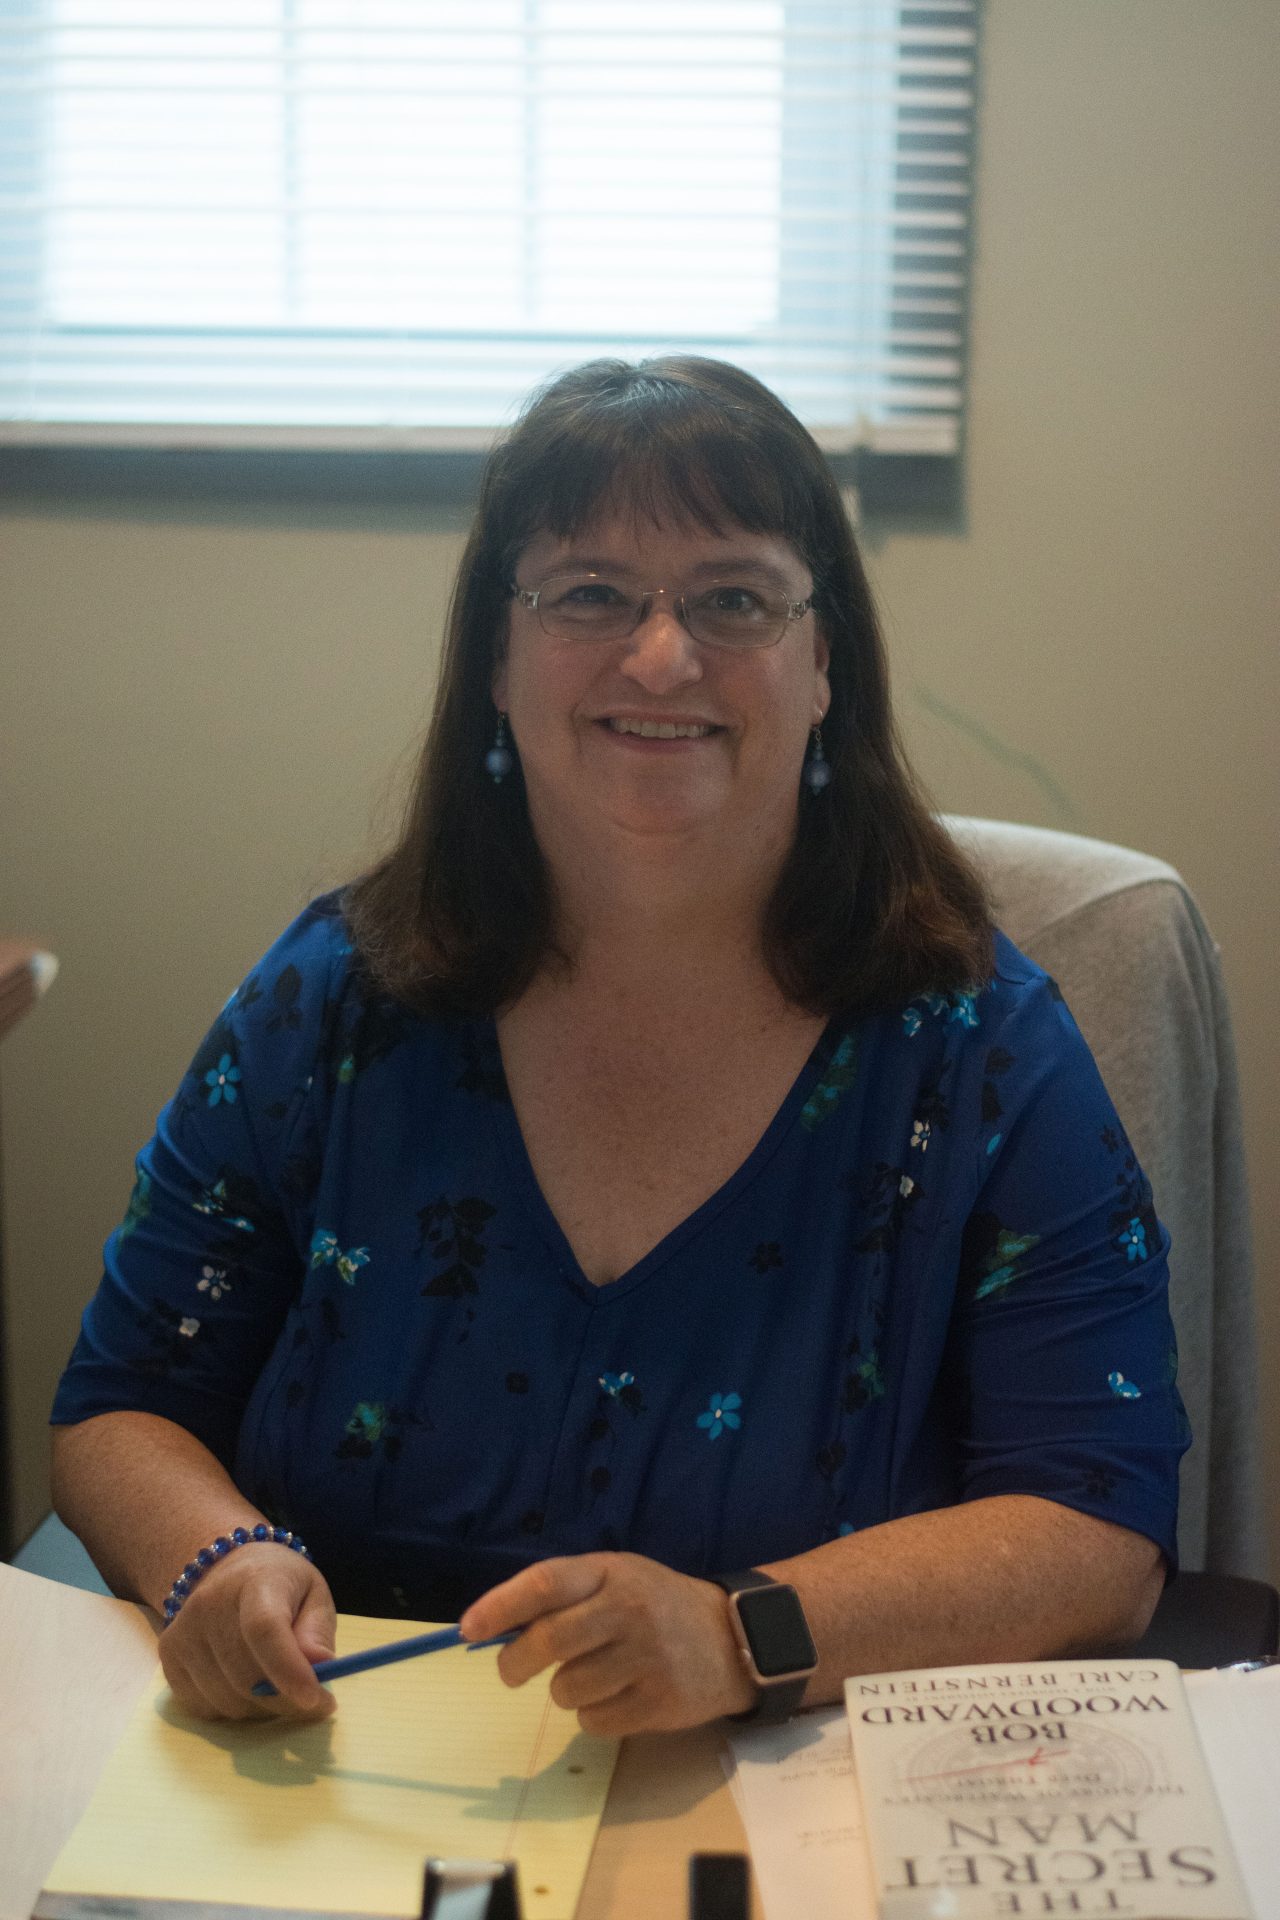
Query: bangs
[661, 452]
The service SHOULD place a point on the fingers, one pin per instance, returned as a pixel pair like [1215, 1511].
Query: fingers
[316, 1622]
[561, 1607]
[595, 1677]
[558, 1638]
[198, 1687]
[260, 1620]
[621, 1714]
[636, 1647]
[547, 1587]
[263, 1643]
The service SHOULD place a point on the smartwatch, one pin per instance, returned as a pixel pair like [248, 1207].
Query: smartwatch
[774, 1640]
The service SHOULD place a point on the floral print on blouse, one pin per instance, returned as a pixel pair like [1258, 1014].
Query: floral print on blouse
[938, 1276]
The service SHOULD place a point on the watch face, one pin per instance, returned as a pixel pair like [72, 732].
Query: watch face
[777, 1633]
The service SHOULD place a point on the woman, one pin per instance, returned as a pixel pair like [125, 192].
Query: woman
[654, 1169]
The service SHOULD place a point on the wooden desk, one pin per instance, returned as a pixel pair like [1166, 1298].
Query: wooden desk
[72, 1665]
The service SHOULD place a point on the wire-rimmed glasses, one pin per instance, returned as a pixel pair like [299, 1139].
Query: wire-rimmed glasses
[592, 606]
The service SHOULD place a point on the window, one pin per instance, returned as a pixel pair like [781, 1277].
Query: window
[377, 223]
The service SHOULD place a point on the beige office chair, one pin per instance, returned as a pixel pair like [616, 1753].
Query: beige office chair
[1123, 938]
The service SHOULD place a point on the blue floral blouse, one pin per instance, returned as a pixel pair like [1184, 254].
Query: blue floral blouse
[937, 1276]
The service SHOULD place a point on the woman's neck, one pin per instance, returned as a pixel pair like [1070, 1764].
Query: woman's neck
[651, 910]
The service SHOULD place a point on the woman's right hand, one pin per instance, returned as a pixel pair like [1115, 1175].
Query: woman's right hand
[262, 1613]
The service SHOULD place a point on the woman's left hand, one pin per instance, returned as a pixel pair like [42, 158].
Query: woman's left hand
[636, 1647]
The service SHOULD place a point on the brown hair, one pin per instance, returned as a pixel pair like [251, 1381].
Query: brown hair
[874, 904]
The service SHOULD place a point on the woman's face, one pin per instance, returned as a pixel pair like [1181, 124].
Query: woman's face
[575, 706]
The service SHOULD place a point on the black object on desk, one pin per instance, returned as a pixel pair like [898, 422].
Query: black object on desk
[470, 1890]
[719, 1888]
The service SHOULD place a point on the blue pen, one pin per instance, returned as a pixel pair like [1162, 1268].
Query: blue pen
[384, 1656]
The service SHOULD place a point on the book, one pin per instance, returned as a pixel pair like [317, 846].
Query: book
[1068, 1787]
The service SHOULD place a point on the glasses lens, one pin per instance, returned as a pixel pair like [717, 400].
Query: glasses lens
[586, 606]
[736, 617]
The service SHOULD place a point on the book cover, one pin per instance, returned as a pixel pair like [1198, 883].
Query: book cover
[1069, 1787]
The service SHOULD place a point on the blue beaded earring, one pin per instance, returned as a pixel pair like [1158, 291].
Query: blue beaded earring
[817, 773]
[499, 760]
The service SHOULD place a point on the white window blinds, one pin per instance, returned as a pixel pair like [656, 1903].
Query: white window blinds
[379, 222]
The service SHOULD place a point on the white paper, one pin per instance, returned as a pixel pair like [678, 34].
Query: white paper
[1237, 1717]
[798, 1799]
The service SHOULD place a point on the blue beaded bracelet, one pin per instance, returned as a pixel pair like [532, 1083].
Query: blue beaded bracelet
[195, 1570]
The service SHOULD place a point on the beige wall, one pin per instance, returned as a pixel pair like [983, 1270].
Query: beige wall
[201, 711]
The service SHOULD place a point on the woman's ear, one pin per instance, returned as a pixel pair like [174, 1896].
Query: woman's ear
[821, 673]
[498, 684]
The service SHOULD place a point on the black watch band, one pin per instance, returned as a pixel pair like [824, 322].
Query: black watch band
[777, 1647]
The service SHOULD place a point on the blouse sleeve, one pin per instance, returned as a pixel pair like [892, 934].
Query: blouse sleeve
[1062, 1336]
[201, 1271]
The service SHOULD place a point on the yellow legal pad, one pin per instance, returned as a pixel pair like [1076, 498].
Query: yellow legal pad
[432, 1756]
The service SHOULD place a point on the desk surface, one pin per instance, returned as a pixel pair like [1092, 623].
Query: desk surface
[73, 1664]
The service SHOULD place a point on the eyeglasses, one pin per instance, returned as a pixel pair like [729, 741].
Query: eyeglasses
[590, 606]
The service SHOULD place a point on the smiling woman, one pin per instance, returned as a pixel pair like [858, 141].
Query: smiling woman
[631, 717]
[687, 463]
[654, 1182]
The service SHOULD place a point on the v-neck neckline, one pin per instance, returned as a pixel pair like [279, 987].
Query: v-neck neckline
[520, 1166]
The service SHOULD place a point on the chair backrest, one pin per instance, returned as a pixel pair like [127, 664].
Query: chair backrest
[1124, 940]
